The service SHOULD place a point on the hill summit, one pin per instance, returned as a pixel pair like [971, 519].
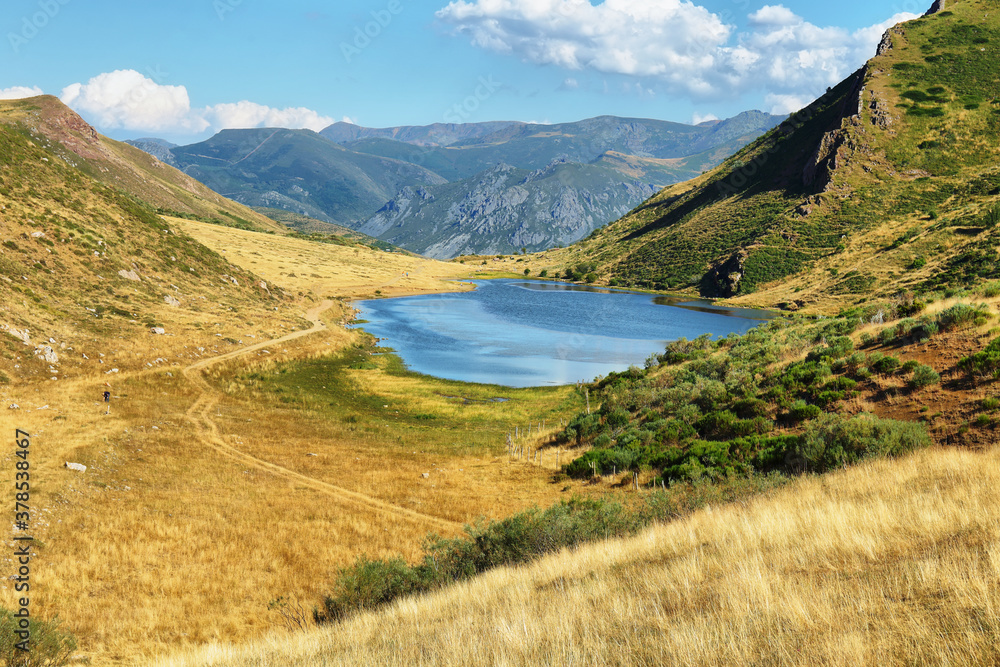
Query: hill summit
[889, 181]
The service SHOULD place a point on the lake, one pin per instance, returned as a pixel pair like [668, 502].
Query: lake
[521, 333]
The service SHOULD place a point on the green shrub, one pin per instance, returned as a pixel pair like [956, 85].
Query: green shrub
[856, 361]
[991, 290]
[991, 403]
[885, 365]
[50, 643]
[982, 364]
[963, 315]
[801, 411]
[544, 273]
[833, 441]
[923, 376]
[520, 538]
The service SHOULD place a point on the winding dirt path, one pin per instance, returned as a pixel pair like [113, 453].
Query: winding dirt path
[200, 412]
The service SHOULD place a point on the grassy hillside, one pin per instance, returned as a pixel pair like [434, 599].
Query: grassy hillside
[82, 264]
[887, 182]
[52, 125]
[889, 563]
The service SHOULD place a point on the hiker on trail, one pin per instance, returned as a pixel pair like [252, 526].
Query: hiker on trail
[107, 397]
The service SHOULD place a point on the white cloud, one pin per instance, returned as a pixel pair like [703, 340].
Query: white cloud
[19, 92]
[672, 44]
[698, 119]
[126, 99]
[781, 105]
[129, 100]
[771, 15]
[249, 114]
[667, 39]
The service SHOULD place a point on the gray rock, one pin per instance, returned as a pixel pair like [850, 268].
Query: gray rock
[79, 467]
[130, 275]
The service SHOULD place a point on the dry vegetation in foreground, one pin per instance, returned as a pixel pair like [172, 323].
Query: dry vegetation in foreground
[201, 502]
[890, 563]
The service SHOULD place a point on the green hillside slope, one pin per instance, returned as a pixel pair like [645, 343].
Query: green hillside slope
[85, 266]
[58, 128]
[888, 181]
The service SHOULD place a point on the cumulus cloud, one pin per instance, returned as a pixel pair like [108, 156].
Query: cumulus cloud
[774, 15]
[667, 39]
[698, 118]
[249, 114]
[130, 100]
[674, 44]
[19, 92]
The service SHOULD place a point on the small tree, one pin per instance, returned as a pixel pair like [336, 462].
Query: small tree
[527, 272]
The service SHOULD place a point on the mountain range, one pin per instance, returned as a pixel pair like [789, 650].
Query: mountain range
[444, 190]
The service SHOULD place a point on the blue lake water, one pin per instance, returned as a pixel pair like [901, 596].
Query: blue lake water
[521, 333]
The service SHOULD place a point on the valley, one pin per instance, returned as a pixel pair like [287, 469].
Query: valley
[268, 483]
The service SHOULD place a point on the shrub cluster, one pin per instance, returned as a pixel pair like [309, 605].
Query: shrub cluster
[50, 643]
[833, 441]
[369, 584]
[985, 363]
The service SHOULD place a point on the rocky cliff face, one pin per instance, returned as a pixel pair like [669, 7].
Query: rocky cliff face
[505, 209]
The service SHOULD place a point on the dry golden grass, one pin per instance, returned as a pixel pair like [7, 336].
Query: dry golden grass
[199, 507]
[327, 269]
[888, 563]
[201, 503]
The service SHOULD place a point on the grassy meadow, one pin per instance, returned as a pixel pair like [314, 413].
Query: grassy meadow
[889, 563]
[239, 469]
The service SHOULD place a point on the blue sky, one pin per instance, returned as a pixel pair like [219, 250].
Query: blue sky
[185, 69]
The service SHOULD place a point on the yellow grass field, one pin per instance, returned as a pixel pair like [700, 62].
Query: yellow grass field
[209, 493]
[888, 563]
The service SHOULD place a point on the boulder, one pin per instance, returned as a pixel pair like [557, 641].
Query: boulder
[79, 467]
[130, 275]
[159, 331]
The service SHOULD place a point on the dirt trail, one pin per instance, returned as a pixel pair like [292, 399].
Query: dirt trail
[200, 415]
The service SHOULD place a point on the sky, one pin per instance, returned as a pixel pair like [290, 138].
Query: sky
[185, 69]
